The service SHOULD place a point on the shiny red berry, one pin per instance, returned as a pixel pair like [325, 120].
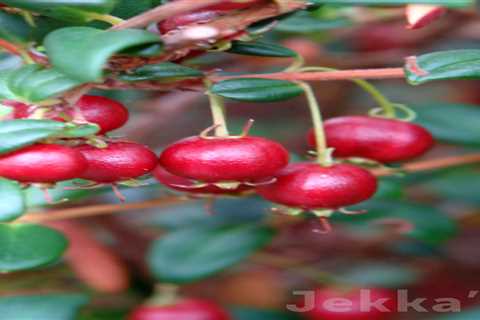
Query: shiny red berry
[383, 140]
[119, 161]
[186, 309]
[242, 159]
[310, 186]
[42, 163]
[353, 304]
[187, 185]
[108, 114]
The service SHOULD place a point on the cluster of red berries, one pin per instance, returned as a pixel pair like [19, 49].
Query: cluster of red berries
[237, 164]
[113, 162]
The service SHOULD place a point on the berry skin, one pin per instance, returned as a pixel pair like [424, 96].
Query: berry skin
[309, 186]
[242, 159]
[329, 307]
[108, 114]
[383, 140]
[186, 309]
[42, 163]
[186, 185]
[118, 162]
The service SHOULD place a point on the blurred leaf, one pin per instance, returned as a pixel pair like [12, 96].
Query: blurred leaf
[12, 204]
[389, 188]
[257, 90]
[68, 10]
[195, 253]
[166, 70]
[262, 49]
[129, 8]
[447, 3]
[379, 275]
[429, 224]
[13, 28]
[454, 123]
[28, 246]
[42, 307]
[82, 52]
[17, 134]
[33, 83]
[454, 64]
[252, 314]
[304, 22]
[471, 314]
[81, 130]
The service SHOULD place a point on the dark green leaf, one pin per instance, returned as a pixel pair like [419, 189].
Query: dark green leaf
[13, 28]
[67, 10]
[17, 134]
[454, 64]
[304, 22]
[42, 307]
[80, 131]
[454, 123]
[28, 246]
[12, 204]
[252, 314]
[161, 71]
[257, 90]
[82, 52]
[429, 224]
[471, 314]
[195, 253]
[262, 49]
[383, 275]
[128, 8]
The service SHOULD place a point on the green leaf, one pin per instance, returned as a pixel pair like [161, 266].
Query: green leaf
[12, 204]
[79, 131]
[42, 307]
[443, 65]
[17, 134]
[82, 52]
[262, 49]
[305, 22]
[429, 224]
[33, 83]
[129, 8]
[446, 3]
[161, 71]
[473, 313]
[453, 123]
[252, 314]
[196, 253]
[28, 246]
[13, 28]
[67, 10]
[383, 275]
[257, 90]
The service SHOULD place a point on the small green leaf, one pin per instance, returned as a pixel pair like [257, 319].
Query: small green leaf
[12, 204]
[262, 49]
[161, 71]
[28, 246]
[257, 90]
[79, 131]
[17, 134]
[195, 253]
[42, 307]
[443, 65]
[305, 22]
[82, 52]
[453, 123]
[66, 10]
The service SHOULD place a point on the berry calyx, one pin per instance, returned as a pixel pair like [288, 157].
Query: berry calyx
[182, 309]
[187, 185]
[354, 304]
[224, 159]
[379, 139]
[108, 114]
[43, 163]
[119, 161]
[312, 187]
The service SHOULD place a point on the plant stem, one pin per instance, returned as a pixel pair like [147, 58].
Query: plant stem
[217, 106]
[323, 153]
[16, 50]
[106, 18]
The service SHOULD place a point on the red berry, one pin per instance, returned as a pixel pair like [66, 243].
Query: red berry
[107, 113]
[213, 160]
[186, 185]
[20, 109]
[310, 186]
[117, 162]
[187, 309]
[354, 304]
[383, 140]
[42, 163]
